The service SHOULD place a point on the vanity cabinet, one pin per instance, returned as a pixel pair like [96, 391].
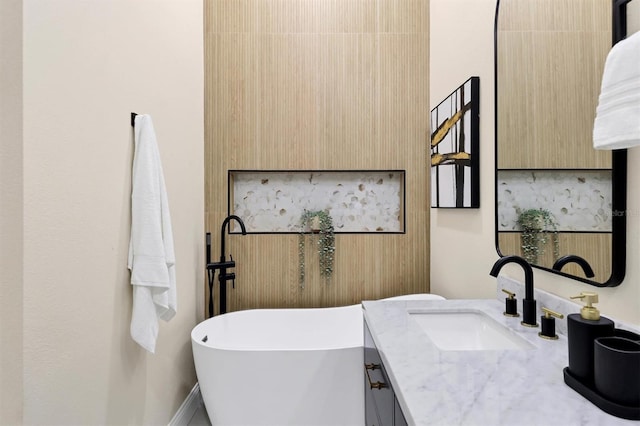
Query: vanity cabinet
[398, 417]
[381, 405]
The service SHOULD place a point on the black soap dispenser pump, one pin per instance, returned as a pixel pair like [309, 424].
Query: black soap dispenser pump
[582, 330]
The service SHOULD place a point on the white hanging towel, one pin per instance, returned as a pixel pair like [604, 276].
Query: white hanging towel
[617, 123]
[151, 255]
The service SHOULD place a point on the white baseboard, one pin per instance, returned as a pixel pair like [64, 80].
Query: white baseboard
[188, 408]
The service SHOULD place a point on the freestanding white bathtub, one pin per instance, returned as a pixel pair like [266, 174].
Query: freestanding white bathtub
[284, 366]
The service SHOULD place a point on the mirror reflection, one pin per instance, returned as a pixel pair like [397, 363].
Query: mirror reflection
[555, 203]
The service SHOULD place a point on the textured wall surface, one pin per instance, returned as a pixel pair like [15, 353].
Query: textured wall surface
[319, 85]
[466, 27]
[11, 212]
[357, 201]
[578, 200]
[87, 66]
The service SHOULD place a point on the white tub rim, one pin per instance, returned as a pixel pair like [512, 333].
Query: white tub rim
[347, 313]
[353, 341]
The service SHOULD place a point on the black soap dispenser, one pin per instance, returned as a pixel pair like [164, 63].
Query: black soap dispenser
[582, 330]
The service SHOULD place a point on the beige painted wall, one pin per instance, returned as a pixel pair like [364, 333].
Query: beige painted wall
[86, 66]
[461, 46]
[11, 212]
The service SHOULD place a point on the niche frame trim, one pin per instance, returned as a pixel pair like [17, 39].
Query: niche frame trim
[403, 196]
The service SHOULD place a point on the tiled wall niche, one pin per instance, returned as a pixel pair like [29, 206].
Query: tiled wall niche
[580, 200]
[359, 201]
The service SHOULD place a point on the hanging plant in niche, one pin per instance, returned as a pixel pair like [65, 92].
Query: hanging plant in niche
[536, 225]
[317, 225]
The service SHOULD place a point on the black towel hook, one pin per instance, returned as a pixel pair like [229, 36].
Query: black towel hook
[133, 119]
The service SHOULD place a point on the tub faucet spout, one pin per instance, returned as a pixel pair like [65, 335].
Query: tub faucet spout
[528, 303]
[222, 265]
[223, 231]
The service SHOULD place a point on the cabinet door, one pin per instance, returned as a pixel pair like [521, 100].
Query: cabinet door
[398, 417]
[377, 385]
[378, 390]
[370, 411]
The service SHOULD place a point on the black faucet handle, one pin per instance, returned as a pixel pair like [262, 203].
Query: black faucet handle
[231, 277]
[511, 304]
[549, 324]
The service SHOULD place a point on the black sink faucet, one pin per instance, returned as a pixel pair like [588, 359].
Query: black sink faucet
[222, 265]
[586, 268]
[528, 303]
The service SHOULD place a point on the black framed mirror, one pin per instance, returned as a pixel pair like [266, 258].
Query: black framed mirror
[560, 203]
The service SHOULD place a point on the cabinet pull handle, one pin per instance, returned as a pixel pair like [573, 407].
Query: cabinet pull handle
[374, 385]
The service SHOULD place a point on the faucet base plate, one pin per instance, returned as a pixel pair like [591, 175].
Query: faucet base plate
[548, 337]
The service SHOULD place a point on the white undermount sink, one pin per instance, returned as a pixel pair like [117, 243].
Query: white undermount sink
[467, 330]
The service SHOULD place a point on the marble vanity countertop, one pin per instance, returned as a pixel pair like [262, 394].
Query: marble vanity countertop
[511, 387]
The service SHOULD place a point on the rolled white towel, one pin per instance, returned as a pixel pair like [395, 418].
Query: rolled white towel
[617, 123]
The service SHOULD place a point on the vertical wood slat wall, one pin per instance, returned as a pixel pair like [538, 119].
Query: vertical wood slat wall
[327, 85]
[594, 247]
[547, 108]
